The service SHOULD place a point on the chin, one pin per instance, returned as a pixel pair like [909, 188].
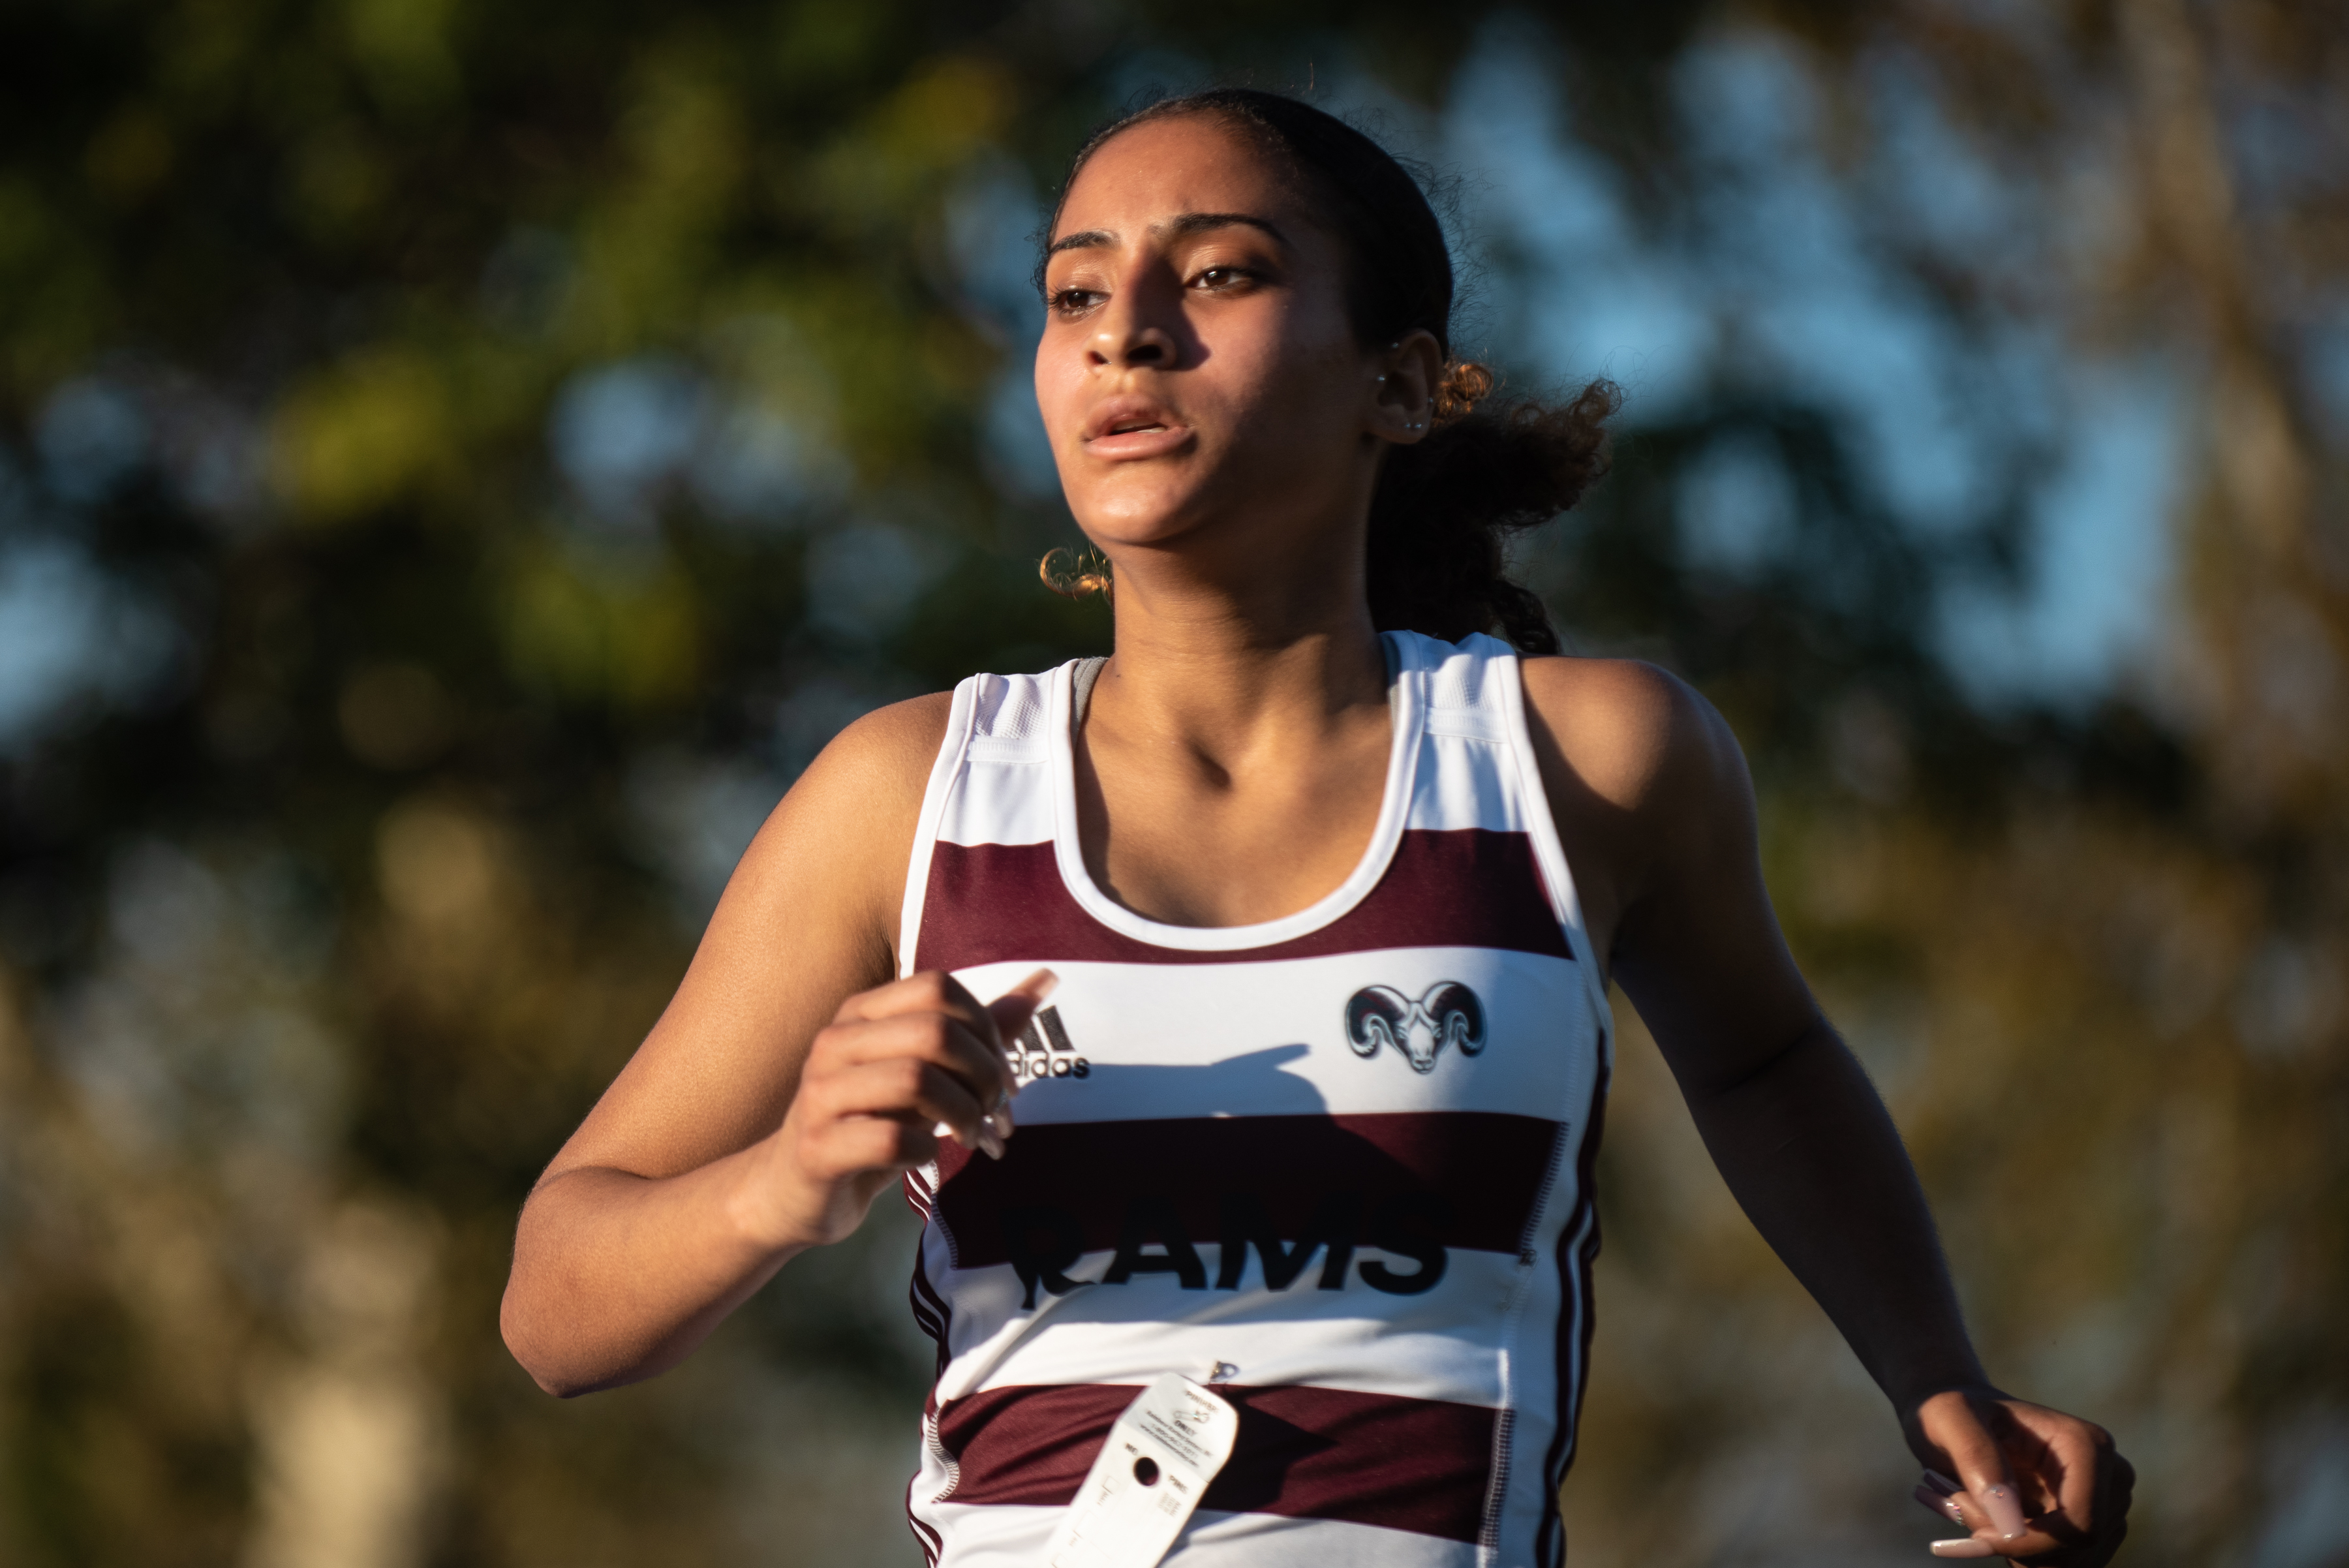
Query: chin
[1141, 521]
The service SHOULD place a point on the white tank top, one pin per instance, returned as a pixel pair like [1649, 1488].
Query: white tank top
[1337, 1165]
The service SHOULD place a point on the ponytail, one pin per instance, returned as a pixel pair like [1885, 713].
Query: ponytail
[1445, 510]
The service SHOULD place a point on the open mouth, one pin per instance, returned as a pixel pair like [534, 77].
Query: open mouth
[1127, 420]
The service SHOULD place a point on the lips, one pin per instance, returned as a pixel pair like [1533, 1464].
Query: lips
[1134, 427]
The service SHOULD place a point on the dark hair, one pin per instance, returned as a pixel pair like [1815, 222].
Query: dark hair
[1445, 508]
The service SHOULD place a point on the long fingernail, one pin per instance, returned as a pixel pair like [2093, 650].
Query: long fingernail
[1945, 1507]
[988, 1144]
[2005, 1513]
[1036, 988]
[999, 1124]
[1964, 1546]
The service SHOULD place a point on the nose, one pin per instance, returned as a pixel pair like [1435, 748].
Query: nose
[1130, 343]
[1134, 331]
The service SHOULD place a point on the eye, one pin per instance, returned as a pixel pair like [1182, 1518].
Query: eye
[1219, 278]
[1072, 301]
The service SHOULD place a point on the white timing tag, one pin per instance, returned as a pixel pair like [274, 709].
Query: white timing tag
[1151, 1474]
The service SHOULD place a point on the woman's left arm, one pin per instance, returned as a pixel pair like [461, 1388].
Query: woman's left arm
[1654, 801]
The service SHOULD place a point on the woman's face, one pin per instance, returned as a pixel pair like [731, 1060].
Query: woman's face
[1198, 374]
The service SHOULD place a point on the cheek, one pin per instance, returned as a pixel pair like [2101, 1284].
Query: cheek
[1062, 383]
[1291, 381]
[1270, 353]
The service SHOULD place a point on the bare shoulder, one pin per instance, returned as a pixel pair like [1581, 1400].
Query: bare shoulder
[830, 860]
[861, 796]
[891, 748]
[1636, 737]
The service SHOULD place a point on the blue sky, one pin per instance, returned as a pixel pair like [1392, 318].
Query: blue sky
[1773, 266]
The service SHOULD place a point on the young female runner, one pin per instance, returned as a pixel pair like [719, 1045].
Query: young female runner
[1331, 883]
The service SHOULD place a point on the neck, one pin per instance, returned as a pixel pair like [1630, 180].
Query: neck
[1219, 658]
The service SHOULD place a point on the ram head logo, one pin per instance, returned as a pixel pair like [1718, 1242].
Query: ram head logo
[1449, 1014]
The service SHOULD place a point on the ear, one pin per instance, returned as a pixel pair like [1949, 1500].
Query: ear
[1406, 376]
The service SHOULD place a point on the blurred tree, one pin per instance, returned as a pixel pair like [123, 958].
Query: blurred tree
[460, 463]
[2093, 954]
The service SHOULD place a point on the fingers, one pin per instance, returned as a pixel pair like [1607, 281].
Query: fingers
[2066, 1465]
[975, 1116]
[996, 1024]
[929, 992]
[2088, 1482]
[1011, 1012]
[1938, 1493]
[945, 1044]
[2069, 1465]
[2115, 1487]
[1958, 1422]
[850, 1147]
[2074, 1454]
[2028, 1481]
[1014, 1008]
[1958, 1429]
[898, 1068]
[1995, 1491]
[932, 1020]
[874, 1114]
[906, 1015]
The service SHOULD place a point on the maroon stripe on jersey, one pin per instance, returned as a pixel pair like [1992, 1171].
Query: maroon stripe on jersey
[1454, 888]
[1422, 1465]
[1462, 1178]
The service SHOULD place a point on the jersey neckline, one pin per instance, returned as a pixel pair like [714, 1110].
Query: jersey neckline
[1406, 709]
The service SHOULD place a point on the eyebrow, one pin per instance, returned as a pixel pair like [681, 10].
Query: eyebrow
[1176, 227]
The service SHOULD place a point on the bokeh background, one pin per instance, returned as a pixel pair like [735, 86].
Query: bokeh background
[459, 459]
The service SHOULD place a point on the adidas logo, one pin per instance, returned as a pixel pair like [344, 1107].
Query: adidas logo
[1042, 1050]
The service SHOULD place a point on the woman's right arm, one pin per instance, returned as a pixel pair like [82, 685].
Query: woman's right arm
[787, 1083]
